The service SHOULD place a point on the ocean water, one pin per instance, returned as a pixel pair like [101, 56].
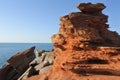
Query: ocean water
[9, 49]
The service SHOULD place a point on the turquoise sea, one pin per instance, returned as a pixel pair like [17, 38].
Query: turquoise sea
[9, 49]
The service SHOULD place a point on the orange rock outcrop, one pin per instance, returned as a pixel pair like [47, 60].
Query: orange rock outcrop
[84, 47]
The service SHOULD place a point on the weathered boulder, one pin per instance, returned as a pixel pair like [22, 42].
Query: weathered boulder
[17, 65]
[91, 8]
[41, 64]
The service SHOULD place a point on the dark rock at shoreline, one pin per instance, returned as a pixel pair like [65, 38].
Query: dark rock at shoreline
[17, 65]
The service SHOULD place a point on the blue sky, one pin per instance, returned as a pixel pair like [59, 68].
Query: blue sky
[37, 20]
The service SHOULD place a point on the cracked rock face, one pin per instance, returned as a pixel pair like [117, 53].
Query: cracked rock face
[85, 49]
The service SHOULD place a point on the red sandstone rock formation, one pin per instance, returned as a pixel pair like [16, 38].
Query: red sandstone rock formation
[17, 65]
[85, 48]
[85, 29]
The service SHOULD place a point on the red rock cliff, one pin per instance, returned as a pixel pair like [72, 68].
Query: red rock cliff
[85, 49]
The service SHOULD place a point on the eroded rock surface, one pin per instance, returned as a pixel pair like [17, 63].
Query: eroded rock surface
[84, 47]
[86, 29]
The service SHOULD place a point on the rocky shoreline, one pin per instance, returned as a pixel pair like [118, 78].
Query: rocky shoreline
[25, 64]
[84, 49]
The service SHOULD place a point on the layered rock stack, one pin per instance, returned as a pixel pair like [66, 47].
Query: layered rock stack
[84, 47]
[85, 29]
